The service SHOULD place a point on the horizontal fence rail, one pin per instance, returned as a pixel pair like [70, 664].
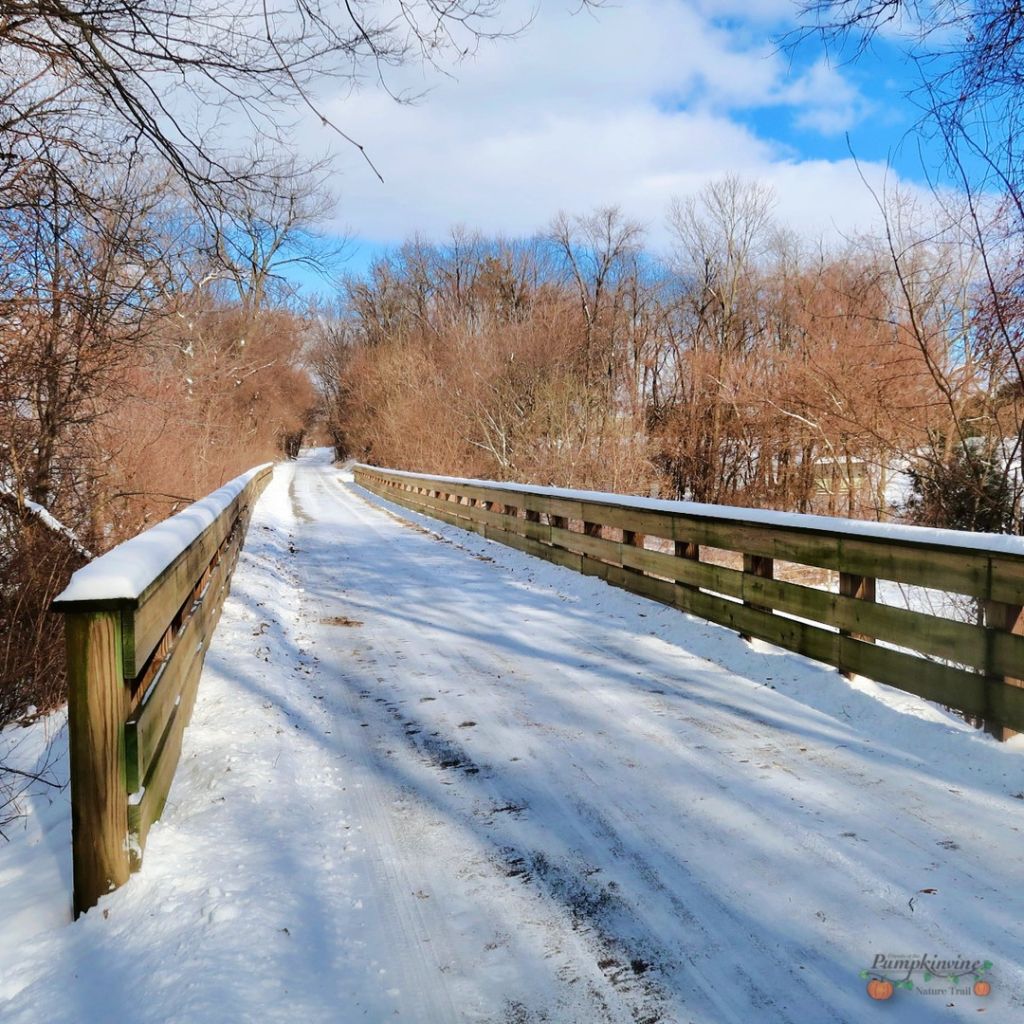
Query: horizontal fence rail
[137, 622]
[973, 667]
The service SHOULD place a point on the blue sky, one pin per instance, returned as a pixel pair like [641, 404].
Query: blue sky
[631, 106]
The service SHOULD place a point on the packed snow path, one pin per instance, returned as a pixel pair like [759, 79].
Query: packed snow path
[432, 779]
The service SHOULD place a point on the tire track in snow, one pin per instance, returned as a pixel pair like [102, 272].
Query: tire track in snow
[622, 970]
[624, 831]
[623, 945]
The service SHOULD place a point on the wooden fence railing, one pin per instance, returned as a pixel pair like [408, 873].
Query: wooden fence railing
[976, 668]
[138, 621]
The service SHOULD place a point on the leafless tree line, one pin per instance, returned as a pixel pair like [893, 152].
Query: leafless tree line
[147, 355]
[745, 368]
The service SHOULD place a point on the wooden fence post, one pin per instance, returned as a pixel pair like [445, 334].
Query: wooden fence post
[690, 551]
[863, 588]
[758, 565]
[97, 708]
[1009, 618]
[133, 661]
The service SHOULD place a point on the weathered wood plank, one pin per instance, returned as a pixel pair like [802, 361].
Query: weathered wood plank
[657, 524]
[554, 506]
[147, 806]
[593, 545]
[929, 634]
[968, 691]
[853, 615]
[113, 646]
[144, 625]
[1007, 624]
[861, 588]
[762, 568]
[145, 729]
[1007, 580]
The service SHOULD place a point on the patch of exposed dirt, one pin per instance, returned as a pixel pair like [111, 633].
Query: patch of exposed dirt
[339, 620]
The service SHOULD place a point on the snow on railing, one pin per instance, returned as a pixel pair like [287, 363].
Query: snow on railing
[138, 621]
[654, 548]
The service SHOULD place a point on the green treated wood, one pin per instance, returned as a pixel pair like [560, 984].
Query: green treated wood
[97, 703]
[968, 691]
[961, 572]
[404, 485]
[591, 544]
[861, 588]
[807, 545]
[456, 516]
[929, 634]
[646, 586]
[108, 644]
[145, 729]
[554, 506]
[1007, 580]
[687, 551]
[945, 638]
[460, 514]
[756, 566]
[536, 530]
[658, 563]
[657, 524]
[515, 540]
[144, 624]
[1007, 622]
[842, 624]
[150, 803]
[144, 811]
[810, 640]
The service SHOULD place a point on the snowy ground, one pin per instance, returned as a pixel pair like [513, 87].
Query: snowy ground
[432, 779]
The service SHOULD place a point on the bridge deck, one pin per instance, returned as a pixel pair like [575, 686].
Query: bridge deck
[431, 779]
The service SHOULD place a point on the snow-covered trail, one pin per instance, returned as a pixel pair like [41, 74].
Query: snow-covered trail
[432, 779]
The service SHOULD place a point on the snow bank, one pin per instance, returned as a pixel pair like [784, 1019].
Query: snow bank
[124, 572]
[994, 543]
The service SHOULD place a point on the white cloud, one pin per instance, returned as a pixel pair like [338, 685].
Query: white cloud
[825, 101]
[628, 107]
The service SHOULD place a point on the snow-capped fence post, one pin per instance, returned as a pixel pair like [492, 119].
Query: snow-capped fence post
[138, 621]
[969, 666]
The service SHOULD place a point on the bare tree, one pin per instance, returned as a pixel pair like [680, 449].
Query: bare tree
[164, 76]
[970, 60]
[256, 238]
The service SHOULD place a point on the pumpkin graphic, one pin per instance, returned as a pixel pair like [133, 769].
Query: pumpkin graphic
[982, 988]
[880, 988]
